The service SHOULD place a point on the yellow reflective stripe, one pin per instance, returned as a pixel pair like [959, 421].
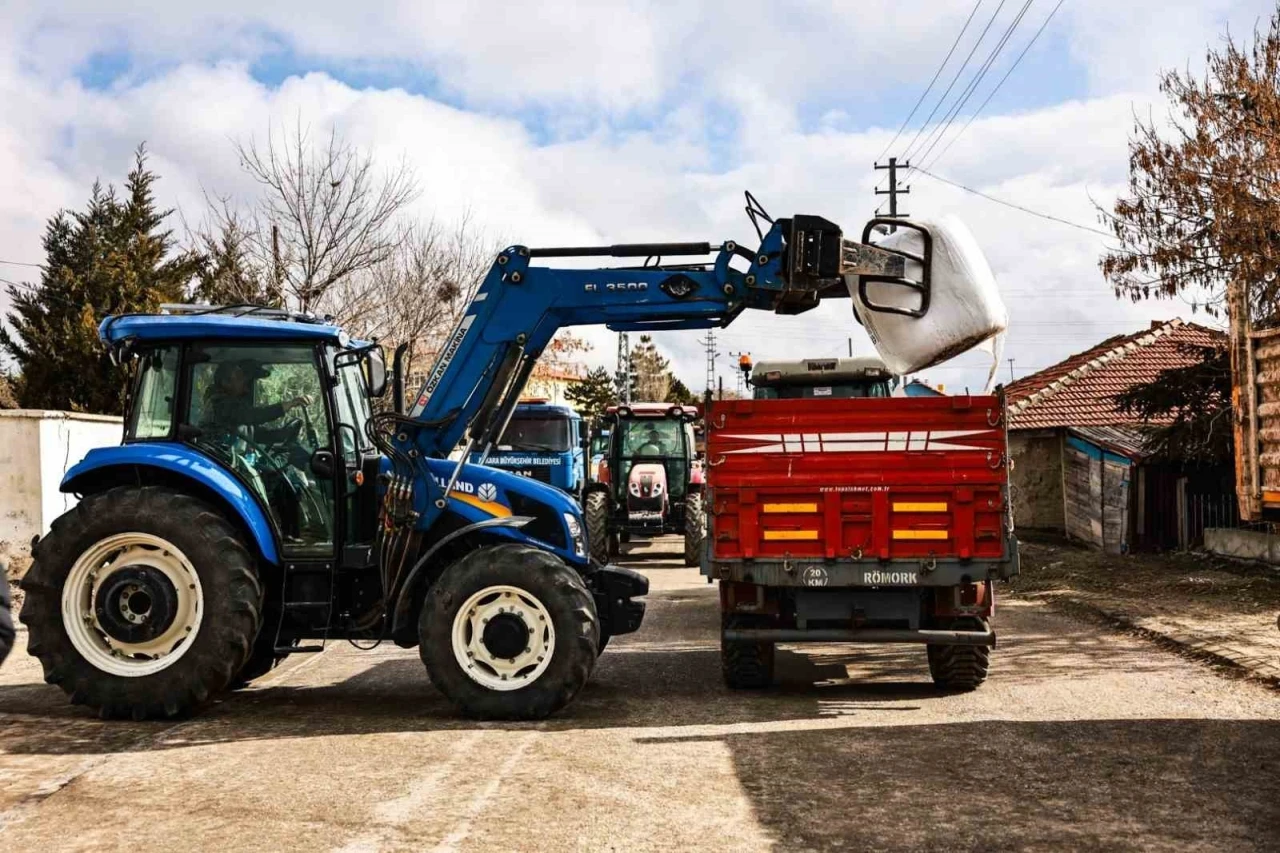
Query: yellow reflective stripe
[492, 507]
[790, 507]
[919, 507]
[921, 534]
[790, 535]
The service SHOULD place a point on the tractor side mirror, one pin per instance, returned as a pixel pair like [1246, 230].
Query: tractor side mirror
[322, 464]
[375, 366]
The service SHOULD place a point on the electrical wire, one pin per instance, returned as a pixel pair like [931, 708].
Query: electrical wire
[955, 79]
[992, 94]
[936, 135]
[936, 74]
[21, 264]
[1010, 204]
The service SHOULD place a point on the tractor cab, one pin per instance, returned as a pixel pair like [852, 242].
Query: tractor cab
[818, 378]
[284, 406]
[648, 478]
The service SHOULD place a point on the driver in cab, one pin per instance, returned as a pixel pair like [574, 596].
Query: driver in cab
[653, 445]
[230, 401]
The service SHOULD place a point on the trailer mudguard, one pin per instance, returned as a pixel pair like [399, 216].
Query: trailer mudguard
[185, 462]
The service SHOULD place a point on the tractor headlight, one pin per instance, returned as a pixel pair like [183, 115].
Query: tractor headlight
[657, 489]
[634, 488]
[575, 534]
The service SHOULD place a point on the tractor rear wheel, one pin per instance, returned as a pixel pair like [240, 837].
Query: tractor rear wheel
[695, 529]
[596, 516]
[960, 668]
[509, 632]
[142, 602]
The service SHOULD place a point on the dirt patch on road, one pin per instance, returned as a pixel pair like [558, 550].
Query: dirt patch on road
[1220, 608]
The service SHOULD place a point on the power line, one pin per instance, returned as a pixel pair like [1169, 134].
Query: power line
[954, 79]
[929, 88]
[941, 130]
[21, 264]
[1048, 216]
[992, 94]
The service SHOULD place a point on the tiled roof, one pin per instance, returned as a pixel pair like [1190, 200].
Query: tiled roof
[1081, 390]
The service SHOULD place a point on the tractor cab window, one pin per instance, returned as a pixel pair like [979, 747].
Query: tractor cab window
[260, 411]
[155, 394]
[353, 410]
[654, 441]
[653, 437]
[544, 433]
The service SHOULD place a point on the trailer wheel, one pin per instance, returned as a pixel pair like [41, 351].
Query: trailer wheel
[142, 602]
[596, 515]
[695, 529]
[746, 666]
[509, 632]
[960, 668]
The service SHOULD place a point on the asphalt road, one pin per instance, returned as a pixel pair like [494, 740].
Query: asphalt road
[1082, 739]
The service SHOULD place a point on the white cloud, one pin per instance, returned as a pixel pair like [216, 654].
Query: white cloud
[663, 181]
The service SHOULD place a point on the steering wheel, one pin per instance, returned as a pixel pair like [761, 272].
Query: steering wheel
[264, 453]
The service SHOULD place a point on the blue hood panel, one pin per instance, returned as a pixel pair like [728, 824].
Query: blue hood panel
[481, 493]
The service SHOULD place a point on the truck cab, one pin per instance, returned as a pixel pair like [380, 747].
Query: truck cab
[543, 441]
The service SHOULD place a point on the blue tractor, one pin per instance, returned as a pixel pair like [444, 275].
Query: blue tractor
[258, 506]
[543, 441]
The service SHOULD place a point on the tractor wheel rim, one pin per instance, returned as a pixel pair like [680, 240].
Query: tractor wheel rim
[485, 628]
[113, 592]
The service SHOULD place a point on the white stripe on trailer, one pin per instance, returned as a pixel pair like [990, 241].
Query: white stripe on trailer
[913, 441]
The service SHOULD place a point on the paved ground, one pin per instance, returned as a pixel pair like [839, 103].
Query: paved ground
[1219, 609]
[1082, 739]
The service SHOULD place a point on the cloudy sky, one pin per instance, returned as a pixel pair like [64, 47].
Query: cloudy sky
[563, 123]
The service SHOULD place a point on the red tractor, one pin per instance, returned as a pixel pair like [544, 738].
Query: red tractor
[649, 482]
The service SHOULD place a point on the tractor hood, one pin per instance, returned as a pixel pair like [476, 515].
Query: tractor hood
[482, 493]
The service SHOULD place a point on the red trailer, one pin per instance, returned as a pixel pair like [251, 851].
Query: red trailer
[877, 520]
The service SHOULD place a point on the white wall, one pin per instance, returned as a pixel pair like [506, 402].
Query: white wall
[36, 449]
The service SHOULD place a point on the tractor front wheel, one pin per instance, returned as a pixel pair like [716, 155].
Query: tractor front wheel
[509, 632]
[596, 515]
[142, 602]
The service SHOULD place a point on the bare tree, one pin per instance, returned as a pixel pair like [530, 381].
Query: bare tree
[230, 273]
[416, 293]
[327, 214]
[1204, 186]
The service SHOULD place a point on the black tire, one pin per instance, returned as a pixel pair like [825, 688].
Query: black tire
[560, 590]
[232, 602]
[263, 657]
[604, 641]
[960, 668]
[695, 529]
[596, 515]
[746, 666]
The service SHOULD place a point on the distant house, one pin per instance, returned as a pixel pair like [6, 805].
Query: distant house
[1078, 462]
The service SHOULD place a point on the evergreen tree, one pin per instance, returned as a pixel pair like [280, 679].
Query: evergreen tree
[592, 394]
[229, 273]
[680, 393]
[652, 379]
[114, 257]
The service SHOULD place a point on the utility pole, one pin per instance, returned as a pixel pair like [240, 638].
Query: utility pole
[624, 367]
[1010, 370]
[709, 342]
[894, 190]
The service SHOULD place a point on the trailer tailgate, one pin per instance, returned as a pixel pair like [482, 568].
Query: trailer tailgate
[880, 478]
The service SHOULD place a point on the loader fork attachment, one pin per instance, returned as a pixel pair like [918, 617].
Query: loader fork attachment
[880, 265]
